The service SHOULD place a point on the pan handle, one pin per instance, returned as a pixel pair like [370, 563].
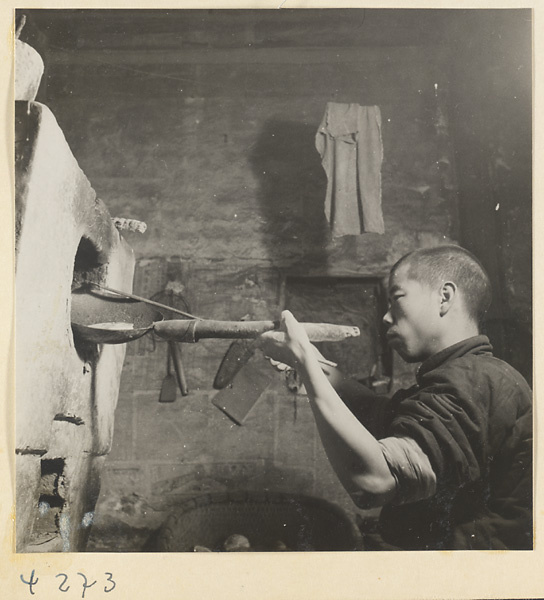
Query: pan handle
[194, 330]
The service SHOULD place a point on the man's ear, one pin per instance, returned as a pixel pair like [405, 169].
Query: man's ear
[448, 293]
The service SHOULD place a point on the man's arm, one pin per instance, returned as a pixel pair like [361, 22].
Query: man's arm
[364, 403]
[354, 453]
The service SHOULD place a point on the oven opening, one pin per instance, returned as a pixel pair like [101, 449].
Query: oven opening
[89, 264]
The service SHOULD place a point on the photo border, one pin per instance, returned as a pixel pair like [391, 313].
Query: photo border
[282, 576]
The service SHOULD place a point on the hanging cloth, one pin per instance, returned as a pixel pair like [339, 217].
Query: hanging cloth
[350, 144]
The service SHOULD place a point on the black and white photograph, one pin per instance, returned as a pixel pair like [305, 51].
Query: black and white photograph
[273, 284]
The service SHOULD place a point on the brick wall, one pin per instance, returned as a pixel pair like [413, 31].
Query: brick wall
[215, 151]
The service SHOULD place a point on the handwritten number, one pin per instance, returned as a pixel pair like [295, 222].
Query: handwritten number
[64, 587]
[110, 575]
[65, 580]
[85, 586]
[31, 582]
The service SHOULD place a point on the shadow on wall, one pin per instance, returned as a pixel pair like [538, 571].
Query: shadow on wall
[292, 192]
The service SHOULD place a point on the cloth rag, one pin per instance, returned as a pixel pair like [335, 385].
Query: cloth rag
[350, 144]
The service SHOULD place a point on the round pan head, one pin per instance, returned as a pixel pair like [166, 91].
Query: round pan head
[104, 319]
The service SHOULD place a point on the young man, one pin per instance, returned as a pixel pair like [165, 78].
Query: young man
[450, 459]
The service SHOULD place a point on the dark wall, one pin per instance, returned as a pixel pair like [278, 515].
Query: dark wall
[490, 74]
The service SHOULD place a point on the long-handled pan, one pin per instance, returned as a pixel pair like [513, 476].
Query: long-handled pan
[104, 316]
[120, 318]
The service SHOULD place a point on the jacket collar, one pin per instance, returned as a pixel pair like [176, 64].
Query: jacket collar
[478, 344]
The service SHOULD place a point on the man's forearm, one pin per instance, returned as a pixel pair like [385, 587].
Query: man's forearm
[353, 451]
[363, 402]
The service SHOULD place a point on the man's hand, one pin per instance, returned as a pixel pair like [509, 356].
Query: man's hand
[290, 345]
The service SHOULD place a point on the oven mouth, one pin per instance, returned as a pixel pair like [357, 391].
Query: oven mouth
[90, 264]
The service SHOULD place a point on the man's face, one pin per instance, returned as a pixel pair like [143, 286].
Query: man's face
[413, 317]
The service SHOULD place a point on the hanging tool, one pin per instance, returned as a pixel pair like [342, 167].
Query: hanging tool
[238, 354]
[172, 300]
[175, 353]
[237, 399]
[238, 396]
[168, 388]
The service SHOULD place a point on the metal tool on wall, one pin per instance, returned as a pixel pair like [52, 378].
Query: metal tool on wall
[175, 380]
[240, 352]
[179, 370]
[242, 382]
[175, 300]
[168, 391]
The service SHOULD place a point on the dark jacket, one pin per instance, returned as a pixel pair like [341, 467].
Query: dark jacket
[471, 414]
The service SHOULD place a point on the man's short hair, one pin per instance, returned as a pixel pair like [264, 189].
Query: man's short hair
[433, 266]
